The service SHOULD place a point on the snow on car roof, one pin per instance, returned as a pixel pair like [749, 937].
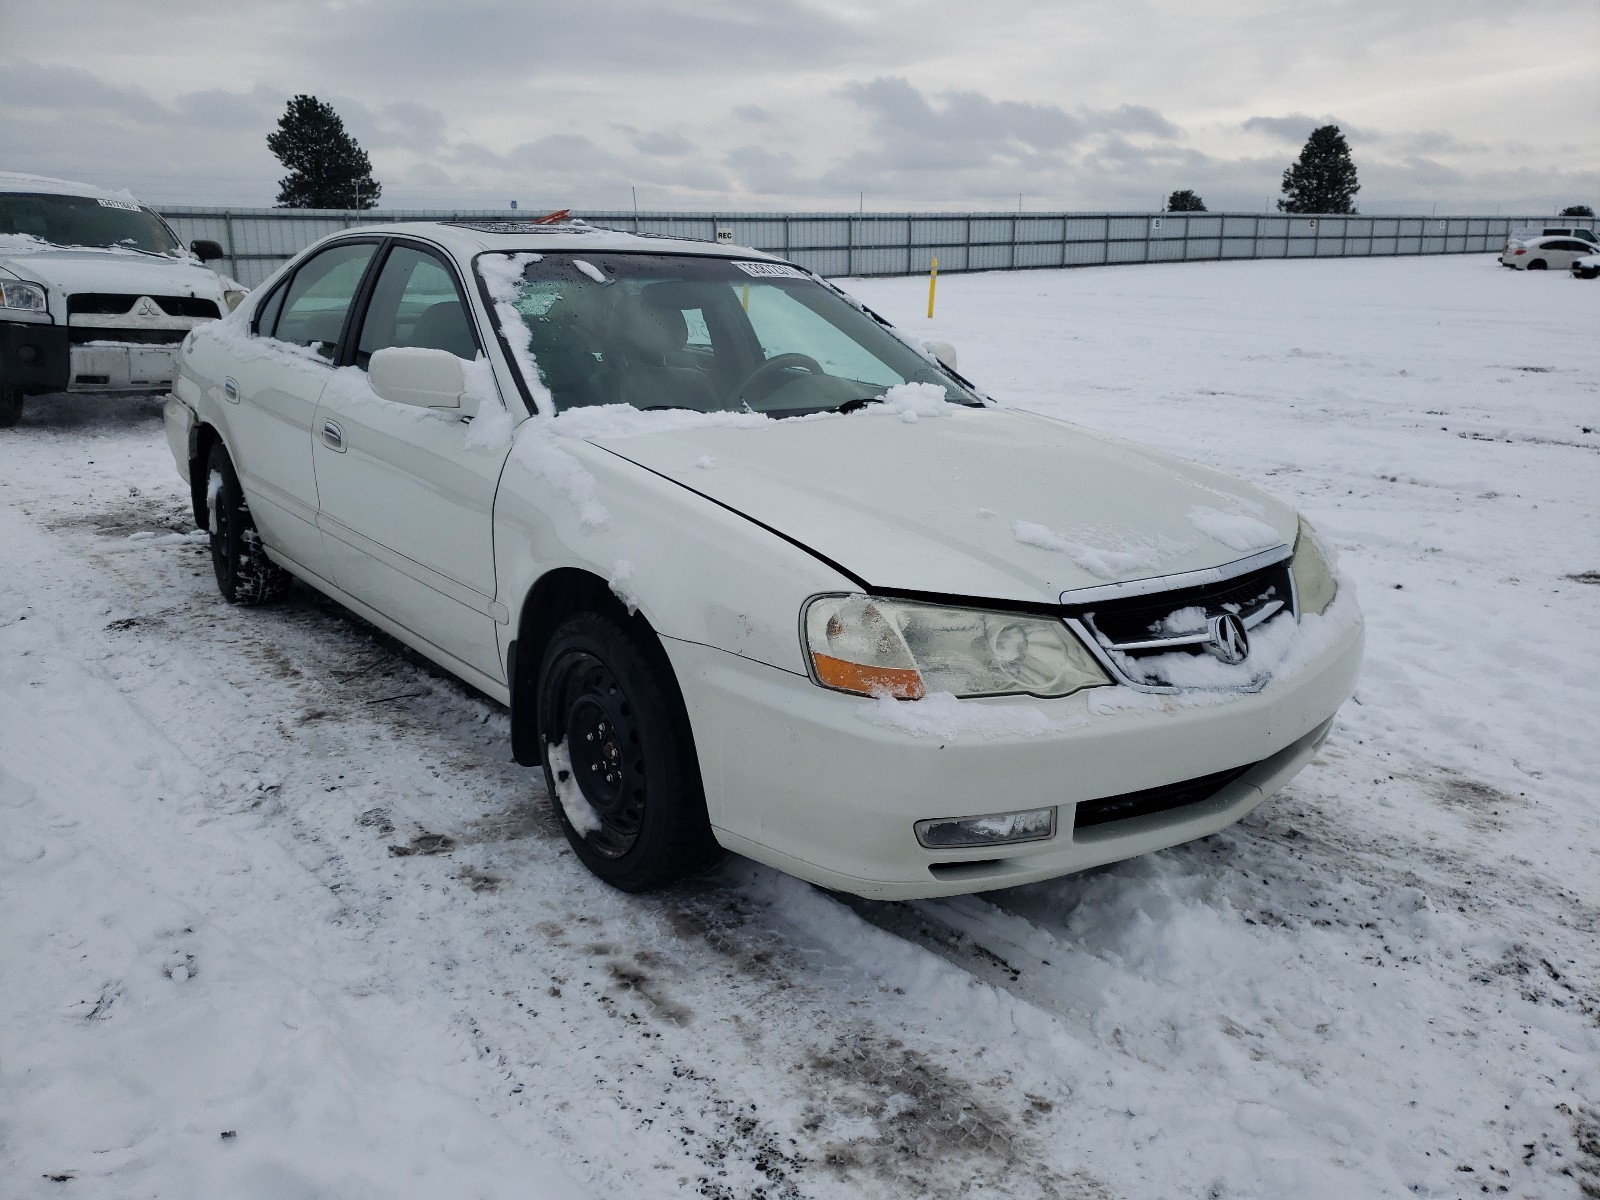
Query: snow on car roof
[14, 181]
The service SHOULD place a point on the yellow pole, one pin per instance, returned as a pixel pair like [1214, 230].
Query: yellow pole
[933, 280]
[744, 297]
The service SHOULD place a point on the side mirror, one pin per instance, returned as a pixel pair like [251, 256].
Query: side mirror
[944, 352]
[418, 376]
[205, 250]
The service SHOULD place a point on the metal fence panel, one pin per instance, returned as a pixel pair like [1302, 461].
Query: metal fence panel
[1039, 254]
[257, 241]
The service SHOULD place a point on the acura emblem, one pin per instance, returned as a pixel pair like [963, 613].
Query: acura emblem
[147, 308]
[1229, 642]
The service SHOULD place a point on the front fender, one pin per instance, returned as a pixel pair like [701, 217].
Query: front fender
[697, 571]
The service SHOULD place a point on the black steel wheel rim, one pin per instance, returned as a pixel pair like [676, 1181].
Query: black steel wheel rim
[588, 710]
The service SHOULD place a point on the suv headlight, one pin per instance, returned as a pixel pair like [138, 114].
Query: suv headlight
[233, 297]
[1314, 582]
[874, 647]
[27, 296]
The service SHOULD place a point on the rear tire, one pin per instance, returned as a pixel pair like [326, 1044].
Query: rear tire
[1538, 264]
[10, 405]
[619, 757]
[245, 575]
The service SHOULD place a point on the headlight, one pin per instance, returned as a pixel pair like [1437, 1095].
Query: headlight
[873, 647]
[26, 296]
[232, 297]
[1314, 583]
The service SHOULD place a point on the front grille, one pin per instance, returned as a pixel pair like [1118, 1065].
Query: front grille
[80, 334]
[1154, 800]
[114, 304]
[1140, 618]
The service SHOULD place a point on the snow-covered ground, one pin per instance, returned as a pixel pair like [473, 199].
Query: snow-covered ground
[279, 918]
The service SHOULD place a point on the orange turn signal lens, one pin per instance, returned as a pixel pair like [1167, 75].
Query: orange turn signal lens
[898, 682]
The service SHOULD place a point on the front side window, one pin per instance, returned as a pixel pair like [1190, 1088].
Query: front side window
[318, 298]
[415, 303]
[86, 221]
[660, 331]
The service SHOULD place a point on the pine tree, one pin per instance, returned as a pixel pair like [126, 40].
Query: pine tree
[1185, 201]
[1323, 179]
[327, 167]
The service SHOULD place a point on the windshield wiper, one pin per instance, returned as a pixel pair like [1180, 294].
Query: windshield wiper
[856, 405]
[137, 250]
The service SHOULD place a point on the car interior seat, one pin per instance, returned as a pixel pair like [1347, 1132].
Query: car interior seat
[650, 336]
[444, 326]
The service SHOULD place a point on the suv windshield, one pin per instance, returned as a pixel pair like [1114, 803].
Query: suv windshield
[707, 334]
[85, 221]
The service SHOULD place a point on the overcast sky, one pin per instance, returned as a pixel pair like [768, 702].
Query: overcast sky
[1462, 105]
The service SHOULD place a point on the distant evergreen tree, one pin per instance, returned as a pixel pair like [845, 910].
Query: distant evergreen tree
[327, 167]
[1577, 210]
[1185, 201]
[1323, 179]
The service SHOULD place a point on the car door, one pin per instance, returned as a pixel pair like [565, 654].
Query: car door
[406, 503]
[275, 395]
[1567, 251]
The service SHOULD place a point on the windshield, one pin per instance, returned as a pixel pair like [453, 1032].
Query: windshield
[85, 221]
[707, 334]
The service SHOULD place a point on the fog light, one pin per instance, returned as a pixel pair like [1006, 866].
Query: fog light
[996, 829]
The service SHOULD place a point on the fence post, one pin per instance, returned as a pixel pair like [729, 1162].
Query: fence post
[227, 233]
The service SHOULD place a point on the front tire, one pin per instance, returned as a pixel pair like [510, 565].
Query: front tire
[619, 759]
[10, 405]
[245, 575]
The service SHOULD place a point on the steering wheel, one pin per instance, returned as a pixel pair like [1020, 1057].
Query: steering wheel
[768, 372]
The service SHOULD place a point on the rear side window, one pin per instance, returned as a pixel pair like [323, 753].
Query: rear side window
[318, 298]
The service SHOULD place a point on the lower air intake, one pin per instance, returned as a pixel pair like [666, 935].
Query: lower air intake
[1154, 800]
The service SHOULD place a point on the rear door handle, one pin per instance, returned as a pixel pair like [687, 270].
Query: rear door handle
[333, 436]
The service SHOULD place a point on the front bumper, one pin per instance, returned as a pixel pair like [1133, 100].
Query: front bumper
[34, 356]
[796, 778]
[38, 358]
[121, 367]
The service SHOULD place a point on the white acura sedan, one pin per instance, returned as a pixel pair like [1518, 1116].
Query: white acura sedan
[752, 570]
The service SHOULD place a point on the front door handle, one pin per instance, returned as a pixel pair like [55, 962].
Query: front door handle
[333, 436]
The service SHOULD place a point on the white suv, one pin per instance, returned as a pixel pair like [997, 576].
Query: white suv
[750, 568]
[96, 292]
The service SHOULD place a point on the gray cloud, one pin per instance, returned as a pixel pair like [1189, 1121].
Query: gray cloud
[663, 145]
[1295, 128]
[899, 110]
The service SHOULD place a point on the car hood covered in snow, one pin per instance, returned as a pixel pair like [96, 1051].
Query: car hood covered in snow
[989, 503]
[91, 270]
